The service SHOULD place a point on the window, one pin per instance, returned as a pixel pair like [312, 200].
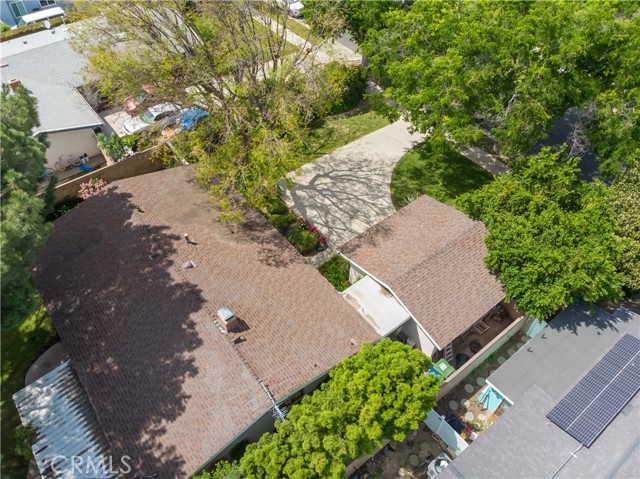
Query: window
[46, 3]
[17, 8]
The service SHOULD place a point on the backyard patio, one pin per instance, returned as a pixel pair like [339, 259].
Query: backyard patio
[479, 409]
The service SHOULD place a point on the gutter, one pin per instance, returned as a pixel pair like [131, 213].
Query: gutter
[71, 128]
[397, 299]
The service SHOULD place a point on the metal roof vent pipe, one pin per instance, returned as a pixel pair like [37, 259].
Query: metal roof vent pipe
[189, 264]
[187, 239]
[227, 318]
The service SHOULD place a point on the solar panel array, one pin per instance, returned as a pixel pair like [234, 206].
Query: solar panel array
[599, 396]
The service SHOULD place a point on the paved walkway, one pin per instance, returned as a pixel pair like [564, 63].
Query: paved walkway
[347, 191]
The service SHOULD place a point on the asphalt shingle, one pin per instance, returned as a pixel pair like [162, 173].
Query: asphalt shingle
[169, 388]
[432, 257]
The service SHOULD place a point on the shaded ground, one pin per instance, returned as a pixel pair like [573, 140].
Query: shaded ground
[20, 347]
[398, 463]
[443, 175]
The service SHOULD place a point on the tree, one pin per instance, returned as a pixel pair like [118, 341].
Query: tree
[22, 228]
[380, 392]
[463, 69]
[627, 209]
[354, 16]
[552, 237]
[231, 58]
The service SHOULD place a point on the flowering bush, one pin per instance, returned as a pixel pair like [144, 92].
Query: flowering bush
[91, 188]
[303, 224]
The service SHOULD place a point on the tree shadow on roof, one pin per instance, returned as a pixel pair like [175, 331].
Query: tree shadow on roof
[127, 320]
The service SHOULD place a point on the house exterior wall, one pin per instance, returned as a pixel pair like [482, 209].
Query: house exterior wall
[75, 142]
[30, 6]
[412, 330]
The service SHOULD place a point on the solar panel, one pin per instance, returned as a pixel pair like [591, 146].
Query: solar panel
[600, 395]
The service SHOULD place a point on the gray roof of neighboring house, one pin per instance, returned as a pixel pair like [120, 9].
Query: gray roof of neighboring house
[51, 71]
[571, 343]
[523, 442]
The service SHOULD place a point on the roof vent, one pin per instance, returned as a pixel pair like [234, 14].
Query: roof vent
[189, 264]
[228, 319]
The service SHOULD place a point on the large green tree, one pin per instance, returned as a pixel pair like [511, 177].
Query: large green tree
[22, 228]
[552, 238]
[382, 392]
[464, 69]
[627, 208]
[231, 58]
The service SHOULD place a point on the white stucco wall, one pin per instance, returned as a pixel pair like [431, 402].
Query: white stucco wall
[75, 142]
[411, 329]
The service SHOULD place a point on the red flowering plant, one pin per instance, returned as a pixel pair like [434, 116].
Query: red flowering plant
[303, 224]
[91, 188]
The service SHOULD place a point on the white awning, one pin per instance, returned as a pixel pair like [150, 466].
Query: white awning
[42, 15]
[379, 307]
[57, 407]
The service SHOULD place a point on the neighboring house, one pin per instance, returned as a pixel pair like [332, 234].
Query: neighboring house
[12, 11]
[585, 361]
[50, 70]
[423, 279]
[142, 311]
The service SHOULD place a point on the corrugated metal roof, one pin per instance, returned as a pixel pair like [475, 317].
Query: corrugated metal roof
[58, 408]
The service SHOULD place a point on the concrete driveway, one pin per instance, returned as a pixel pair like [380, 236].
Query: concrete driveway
[347, 191]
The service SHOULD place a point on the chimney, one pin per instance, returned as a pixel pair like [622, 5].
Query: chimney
[227, 318]
[14, 84]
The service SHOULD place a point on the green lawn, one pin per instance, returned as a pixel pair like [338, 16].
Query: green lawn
[302, 31]
[444, 175]
[21, 346]
[330, 133]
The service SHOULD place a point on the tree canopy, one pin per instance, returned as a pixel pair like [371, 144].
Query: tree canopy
[627, 209]
[382, 392]
[552, 238]
[462, 70]
[231, 58]
[22, 229]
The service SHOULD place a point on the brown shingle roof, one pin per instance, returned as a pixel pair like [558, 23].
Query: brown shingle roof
[431, 256]
[169, 389]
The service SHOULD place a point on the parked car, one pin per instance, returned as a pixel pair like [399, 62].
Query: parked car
[148, 118]
[294, 7]
[140, 100]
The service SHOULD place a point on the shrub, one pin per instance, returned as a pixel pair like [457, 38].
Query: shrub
[63, 207]
[336, 271]
[36, 27]
[304, 241]
[91, 188]
[25, 436]
[4, 27]
[282, 222]
[117, 148]
[275, 206]
[343, 87]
